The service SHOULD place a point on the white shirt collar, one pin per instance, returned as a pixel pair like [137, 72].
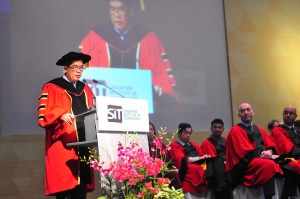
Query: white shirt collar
[65, 77]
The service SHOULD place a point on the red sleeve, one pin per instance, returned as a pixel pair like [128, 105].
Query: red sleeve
[50, 108]
[89, 96]
[177, 153]
[238, 146]
[282, 140]
[97, 48]
[154, 57]
[208, 148]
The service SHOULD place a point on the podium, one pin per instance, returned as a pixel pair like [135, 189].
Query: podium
[110, 120]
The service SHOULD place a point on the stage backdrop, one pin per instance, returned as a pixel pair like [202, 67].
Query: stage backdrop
[264, 47]
[36, 33]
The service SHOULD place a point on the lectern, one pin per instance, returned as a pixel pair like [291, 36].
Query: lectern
[110, 120]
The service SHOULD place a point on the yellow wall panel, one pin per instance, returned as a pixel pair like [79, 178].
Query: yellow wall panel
[263, 48]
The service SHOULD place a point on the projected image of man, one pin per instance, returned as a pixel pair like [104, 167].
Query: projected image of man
[122, 43]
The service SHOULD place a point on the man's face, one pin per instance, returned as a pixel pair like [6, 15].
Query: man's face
[185, 135]
[289, 115]
[120, 14]
[74, 71]
[246, 113]
[217, 129]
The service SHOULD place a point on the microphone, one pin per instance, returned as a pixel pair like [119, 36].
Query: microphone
[97, 82]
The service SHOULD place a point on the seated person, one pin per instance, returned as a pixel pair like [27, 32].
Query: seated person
[155, 152]
[249, 154]
[189, 159]
[287, 141]
[272, 124]
[215, 147]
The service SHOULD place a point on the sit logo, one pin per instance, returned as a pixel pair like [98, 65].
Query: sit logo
[114, 113]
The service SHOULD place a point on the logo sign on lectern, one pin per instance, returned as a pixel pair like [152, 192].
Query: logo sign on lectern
[122, 114]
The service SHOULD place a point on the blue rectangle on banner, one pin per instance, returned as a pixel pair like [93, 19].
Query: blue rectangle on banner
[128, 83]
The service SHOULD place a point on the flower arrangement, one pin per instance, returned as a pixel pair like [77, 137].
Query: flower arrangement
[136, 174]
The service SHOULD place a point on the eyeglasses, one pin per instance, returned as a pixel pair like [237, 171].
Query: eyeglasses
[75, 68]
[289, 113]
[119, 11]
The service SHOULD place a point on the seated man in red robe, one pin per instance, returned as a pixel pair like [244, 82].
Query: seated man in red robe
[189, 159]
[215, 147]
[249, 154]
[287, 141]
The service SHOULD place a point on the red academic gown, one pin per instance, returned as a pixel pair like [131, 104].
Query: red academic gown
[259, 170]
[284, 146]
[62, 163]
[194, 181]
[141, 45]
[208, 148]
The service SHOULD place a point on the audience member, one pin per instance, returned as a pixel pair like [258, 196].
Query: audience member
[190, 161]
[215, 147]
[62, 98]
[249, 154]
[154, 152]
[297, 126]
[272, 124]
[287, 142]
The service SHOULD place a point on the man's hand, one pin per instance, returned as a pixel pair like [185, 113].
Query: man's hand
[204, 157]
[266, 154]
[67, 117]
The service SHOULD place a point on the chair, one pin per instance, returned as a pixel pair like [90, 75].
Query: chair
[243, 192]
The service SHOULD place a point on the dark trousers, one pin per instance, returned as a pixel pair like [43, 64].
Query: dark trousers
[291, 184]
[216, 174]
[269, 188]
[79, 192]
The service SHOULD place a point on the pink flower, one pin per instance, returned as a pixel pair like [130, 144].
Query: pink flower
[154, 191]
[148, 186]
[158, 142]
[141, 194]
[162, 181]
[132, 181]
[136, 169]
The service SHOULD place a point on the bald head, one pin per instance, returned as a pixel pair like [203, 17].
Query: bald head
[245, 113]
[289, 115]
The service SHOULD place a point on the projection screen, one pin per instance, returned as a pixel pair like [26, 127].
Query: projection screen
[36, 33]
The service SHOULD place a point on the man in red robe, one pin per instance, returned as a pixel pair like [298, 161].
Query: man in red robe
[122, 43]
[215, 147]
[190, 161]
[287, 141]
[62, 98]
[249, 154]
